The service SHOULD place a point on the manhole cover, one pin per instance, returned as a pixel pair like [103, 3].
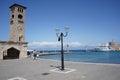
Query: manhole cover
[45, 74]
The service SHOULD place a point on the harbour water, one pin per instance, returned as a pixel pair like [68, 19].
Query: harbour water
[109, 57]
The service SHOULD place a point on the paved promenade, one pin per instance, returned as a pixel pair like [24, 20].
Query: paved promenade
[41, 69]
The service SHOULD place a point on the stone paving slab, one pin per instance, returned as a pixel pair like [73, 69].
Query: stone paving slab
[29, 69]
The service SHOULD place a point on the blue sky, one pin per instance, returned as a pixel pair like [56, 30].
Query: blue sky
[91, 22]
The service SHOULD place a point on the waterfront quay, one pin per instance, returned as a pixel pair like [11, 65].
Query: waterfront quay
[48, 53]
[42, 69]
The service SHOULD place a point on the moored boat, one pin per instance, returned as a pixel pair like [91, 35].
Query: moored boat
[105, 47]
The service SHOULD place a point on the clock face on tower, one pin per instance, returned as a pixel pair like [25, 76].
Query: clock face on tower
[20, 16]
[20, 28]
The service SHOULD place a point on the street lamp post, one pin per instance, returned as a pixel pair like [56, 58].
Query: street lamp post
[60, 38]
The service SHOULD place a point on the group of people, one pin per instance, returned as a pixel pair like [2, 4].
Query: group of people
[32, 53]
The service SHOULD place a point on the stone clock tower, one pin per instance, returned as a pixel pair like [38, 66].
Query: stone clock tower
[17, 23]
[16, 46]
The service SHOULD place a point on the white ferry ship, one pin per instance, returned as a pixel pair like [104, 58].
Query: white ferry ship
[105, 47]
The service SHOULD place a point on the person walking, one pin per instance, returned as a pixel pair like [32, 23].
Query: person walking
[34, 55]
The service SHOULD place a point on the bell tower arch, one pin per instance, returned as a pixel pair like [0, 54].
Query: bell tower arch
[17, 23]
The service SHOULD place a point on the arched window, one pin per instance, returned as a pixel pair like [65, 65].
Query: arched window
[18, 9]
[20, 37]
[12, 16]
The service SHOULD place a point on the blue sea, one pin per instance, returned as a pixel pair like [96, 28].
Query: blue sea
[111, 57]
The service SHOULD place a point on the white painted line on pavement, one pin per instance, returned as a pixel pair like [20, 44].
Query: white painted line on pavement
[17, 78]
[67, 70]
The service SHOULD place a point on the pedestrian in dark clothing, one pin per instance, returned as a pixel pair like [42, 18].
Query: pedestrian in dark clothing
[28, 53]
[34, 54]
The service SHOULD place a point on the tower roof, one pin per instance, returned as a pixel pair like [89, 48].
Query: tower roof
[17, 5]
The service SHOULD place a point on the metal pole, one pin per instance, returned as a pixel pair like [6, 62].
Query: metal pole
[62, 53]
[60, 38]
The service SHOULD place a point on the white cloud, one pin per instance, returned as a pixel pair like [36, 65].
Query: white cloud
[74, 44]
[52, 45]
